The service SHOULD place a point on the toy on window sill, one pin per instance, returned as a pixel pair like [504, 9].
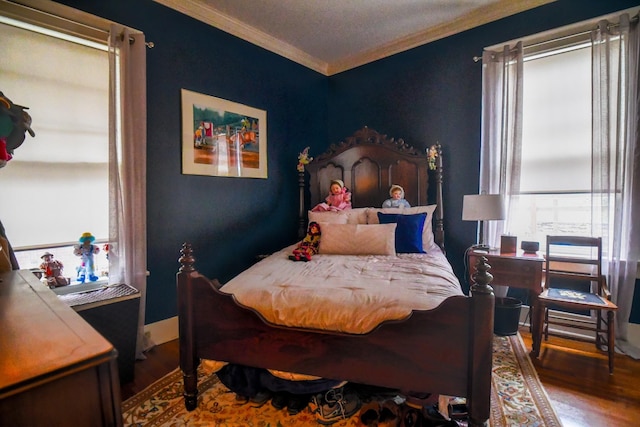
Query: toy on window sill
[53, 271]
[85, 250]
[309, 245]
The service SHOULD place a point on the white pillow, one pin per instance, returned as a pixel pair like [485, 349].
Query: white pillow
[358, 239]
[427, 231]
[356, 215]
[329, 217]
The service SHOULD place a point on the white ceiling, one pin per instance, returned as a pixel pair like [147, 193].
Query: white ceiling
[331, 36]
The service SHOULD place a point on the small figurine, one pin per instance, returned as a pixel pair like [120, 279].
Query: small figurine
[397, 199]
[53, 271]
[86, 249]
[433, 155]
[338, 199]
[303, 159]
[309, 245]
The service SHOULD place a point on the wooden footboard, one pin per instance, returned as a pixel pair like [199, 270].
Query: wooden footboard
[447, 350]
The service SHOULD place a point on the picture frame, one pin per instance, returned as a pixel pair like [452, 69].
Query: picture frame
[222, 137]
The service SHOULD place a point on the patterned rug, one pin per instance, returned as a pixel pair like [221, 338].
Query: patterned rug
[517, 399]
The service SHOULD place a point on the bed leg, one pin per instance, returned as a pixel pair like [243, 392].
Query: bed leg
[190, 390]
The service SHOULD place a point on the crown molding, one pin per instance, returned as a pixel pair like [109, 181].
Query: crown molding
[199, 10]
[475, 18]
[480, 16]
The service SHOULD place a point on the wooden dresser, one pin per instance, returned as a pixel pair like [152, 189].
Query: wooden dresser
[55, 369]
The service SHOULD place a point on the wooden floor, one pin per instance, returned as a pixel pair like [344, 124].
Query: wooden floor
[577, 381]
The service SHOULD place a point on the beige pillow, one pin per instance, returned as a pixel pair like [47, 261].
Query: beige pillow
[356, 215]
[427, 231]
[358, 239]
[328, 217]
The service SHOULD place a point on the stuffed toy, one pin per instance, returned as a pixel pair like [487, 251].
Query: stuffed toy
[53, 271]
[85, 250]
[14, 122]
[309, 245]
[303, 159]
[339, 198]
[397, 199]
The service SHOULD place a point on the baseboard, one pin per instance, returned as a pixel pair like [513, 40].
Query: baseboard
[163, 331]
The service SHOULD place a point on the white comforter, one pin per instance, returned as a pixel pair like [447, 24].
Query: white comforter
[344, 293]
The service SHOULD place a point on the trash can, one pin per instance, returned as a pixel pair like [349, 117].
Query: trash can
[506, 316]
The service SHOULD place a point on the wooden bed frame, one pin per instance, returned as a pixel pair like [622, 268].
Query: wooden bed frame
[447, 350]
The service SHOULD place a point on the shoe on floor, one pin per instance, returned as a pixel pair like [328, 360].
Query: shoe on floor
[297, 402]
[260, 398]
[370, 413]
[334, 405]
[280, 400]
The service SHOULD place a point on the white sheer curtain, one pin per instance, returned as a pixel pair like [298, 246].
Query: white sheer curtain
[501, 130]
[616, 161]
[127, 166]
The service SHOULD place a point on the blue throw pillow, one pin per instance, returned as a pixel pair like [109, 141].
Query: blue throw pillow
[408, 231]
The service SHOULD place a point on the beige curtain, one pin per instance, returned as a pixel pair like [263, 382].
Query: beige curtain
[616, 161]
[127, 166]
[501, 148]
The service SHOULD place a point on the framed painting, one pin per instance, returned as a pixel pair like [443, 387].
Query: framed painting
[222, 138]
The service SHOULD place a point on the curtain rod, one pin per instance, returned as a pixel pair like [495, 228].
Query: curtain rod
[578, 34]
[55, 21]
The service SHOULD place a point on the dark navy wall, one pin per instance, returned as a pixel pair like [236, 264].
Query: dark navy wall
[228, 220]
[433, 93]
[428, 94]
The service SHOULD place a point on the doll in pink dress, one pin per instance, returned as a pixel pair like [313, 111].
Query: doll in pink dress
[339, 198]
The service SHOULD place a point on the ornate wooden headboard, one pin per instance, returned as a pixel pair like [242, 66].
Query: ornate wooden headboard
[369, 163]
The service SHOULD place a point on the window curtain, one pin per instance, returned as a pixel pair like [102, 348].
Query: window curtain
[501, 145]
[616, 163]
[127, 166]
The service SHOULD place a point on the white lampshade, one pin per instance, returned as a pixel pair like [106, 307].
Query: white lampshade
[483, 207]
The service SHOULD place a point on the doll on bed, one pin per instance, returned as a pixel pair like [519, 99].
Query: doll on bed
[339, 198]
[397, 199]
[309, 245]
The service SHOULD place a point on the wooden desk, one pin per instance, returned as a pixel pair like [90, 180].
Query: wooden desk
[517, 270]
[55, 369]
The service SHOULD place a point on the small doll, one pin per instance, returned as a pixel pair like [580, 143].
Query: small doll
[339, 198]
[309, 245]
[85, 250]
[53, 271]
[303, 159]
[397, 198]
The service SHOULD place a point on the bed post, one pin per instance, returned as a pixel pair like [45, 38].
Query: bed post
[481, 357]
[302, 231]
[188, 357]
[439, 213]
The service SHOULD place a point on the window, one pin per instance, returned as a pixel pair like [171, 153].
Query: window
[56, 187]
[555, 180]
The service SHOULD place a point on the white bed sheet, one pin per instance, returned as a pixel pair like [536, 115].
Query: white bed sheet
[344, 293]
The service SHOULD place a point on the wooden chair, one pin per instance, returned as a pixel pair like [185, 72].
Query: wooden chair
[582, 263]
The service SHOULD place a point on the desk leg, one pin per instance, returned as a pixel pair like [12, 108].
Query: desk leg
[537, 314]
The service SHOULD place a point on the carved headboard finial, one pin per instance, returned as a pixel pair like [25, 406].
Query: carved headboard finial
[187, 260]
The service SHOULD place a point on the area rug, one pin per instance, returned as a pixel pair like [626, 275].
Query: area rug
[517, 399]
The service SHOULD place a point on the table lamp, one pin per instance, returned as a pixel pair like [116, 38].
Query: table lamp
[482, 207]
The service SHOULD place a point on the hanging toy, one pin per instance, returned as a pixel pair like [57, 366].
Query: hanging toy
[14, 122]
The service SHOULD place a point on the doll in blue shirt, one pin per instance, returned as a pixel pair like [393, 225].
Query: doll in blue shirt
[397, 199]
